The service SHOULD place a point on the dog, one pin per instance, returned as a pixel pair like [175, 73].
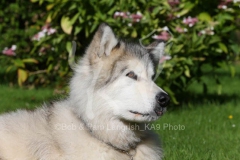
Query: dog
[112, 99]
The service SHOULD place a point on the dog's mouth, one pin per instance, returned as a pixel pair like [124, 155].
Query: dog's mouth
[139, 114]
[159, 111]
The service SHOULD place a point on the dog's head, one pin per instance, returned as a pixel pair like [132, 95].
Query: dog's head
[116, 77]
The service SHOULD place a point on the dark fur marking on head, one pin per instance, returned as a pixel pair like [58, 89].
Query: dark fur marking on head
[135, 49]
[113, 78]
[154, 62]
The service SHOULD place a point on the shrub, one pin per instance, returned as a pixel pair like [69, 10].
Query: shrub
[202, 32]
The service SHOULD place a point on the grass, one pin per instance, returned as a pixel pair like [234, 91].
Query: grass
[211, 122]
[15, 98]
[202, 129]
[202, 133]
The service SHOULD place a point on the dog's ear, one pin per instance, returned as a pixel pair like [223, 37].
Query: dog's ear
[156, 51]
[103, 42]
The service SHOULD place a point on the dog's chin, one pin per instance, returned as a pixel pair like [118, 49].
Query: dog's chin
[135, 116]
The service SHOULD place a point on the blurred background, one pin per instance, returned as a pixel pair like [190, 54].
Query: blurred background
[201, 69]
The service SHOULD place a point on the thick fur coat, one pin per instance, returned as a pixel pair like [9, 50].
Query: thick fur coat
[112, 99]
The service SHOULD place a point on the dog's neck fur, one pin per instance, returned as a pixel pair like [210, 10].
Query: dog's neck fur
[120, 135]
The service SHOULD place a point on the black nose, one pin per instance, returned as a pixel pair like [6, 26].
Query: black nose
[162, 99]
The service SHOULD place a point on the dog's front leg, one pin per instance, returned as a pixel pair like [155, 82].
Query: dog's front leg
[149, 149]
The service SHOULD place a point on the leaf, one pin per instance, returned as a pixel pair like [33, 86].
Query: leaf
[11, 69]
[94, 26]
[178, 48]
[204, 16]
[186, 8]
[195, 38]
[77, 30]
[223, 47]
[69, 47]
[22, 76]
[73, 20]
[134, 33]
[214, 39]
[226, 16]
[30, 60]
[184, 81]
[19, 63]
[235, 48]
[50, 67]
[49, 7]
[187, 71]
[49, 18]
[66, 25]
[228, 28]
[232, 70]
[41, 2]
[156, 10]
[183, 12]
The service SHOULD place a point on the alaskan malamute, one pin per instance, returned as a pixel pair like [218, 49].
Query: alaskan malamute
[112, 99]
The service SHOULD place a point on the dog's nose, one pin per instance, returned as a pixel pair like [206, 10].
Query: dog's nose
[163, 99]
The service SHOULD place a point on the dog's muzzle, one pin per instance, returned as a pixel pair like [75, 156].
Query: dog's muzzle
[162, 100]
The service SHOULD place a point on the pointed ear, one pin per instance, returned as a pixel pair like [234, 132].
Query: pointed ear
[103, 42]
[156, 51]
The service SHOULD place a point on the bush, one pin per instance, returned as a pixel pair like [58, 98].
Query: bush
[202, 32]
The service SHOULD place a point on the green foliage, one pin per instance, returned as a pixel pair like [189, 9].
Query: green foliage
[18, 22]
[208, 40]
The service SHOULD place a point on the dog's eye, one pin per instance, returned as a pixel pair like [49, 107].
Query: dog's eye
[132, 75]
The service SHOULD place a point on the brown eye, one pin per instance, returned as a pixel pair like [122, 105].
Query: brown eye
[132, 75]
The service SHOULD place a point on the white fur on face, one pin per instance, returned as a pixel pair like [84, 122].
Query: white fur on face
[108, 89]
[125, 95]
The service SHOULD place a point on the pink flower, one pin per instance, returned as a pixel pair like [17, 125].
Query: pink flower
[136, 17]
[190, 21]
[181, 30]
[207, 31]
[162, 36]
[39, 35]
[10, 51]
[120, 14]
[224, 4]
[127, 15]
[173, 3]
[51, 31]
[46, 29]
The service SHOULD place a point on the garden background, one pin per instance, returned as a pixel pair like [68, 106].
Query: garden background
[201, 67]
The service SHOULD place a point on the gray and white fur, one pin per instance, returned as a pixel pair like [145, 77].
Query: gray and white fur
[112, 99]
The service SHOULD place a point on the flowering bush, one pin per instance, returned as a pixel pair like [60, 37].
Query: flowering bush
[202, 32]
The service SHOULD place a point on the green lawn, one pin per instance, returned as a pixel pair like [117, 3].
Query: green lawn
[201, 129]
[205, 133]
[206, 130]
[14, 98]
